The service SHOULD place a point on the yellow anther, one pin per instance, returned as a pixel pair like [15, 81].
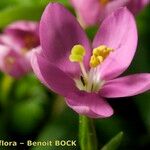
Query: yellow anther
[104, 2]
[78, 50]
[102, 47]
[96, 52]
[99, 55]
[77, 53]
[75, 58]
[100, 58]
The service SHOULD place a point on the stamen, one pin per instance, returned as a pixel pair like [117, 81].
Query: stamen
[83, 70]
[99, 55]
[89, 81]
[77, 55]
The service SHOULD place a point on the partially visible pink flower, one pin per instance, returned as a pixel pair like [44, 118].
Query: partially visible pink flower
[92, 12]
[16, 43]
[87, 82]
[137, 5]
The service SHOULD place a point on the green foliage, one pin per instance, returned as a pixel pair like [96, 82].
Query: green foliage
[26, 116]
[19, 12]
[114, 143]
[65, 2]
[10, 3]
[64, 127]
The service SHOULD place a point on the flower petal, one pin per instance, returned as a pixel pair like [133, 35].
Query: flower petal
[136, 6]
[119, 32]
[59, 32]
[52, 76]
[27, 26]
[7, 40]
[12, 63]
[126, 86]
[89, 104]
[88, 15]
[21, 34]
[113, 5]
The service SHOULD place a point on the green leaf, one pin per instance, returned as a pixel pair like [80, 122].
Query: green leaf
[114, 143]
[14, 13]
[7, 3]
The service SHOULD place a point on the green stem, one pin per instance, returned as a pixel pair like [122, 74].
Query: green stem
[6, 86]
[87, 134]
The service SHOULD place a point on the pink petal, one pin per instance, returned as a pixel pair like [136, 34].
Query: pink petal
[119, 32]
[11, 42]
[21, 34]
[114, 5]
[59, 32]
[27, 26]
[126, 86]
[12, 63]
[54, 78]
[89, 104]
[88, 11]
[137, 5]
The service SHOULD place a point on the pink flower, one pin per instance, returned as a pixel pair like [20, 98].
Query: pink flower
[92, 12]
[85, 86]
[16, 43]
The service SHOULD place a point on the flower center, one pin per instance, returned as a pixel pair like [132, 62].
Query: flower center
[103, 2]
[30, 41]
[90, 81]
[9, 61]
[99, 55]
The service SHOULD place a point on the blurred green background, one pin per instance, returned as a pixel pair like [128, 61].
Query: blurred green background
[29, 111]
